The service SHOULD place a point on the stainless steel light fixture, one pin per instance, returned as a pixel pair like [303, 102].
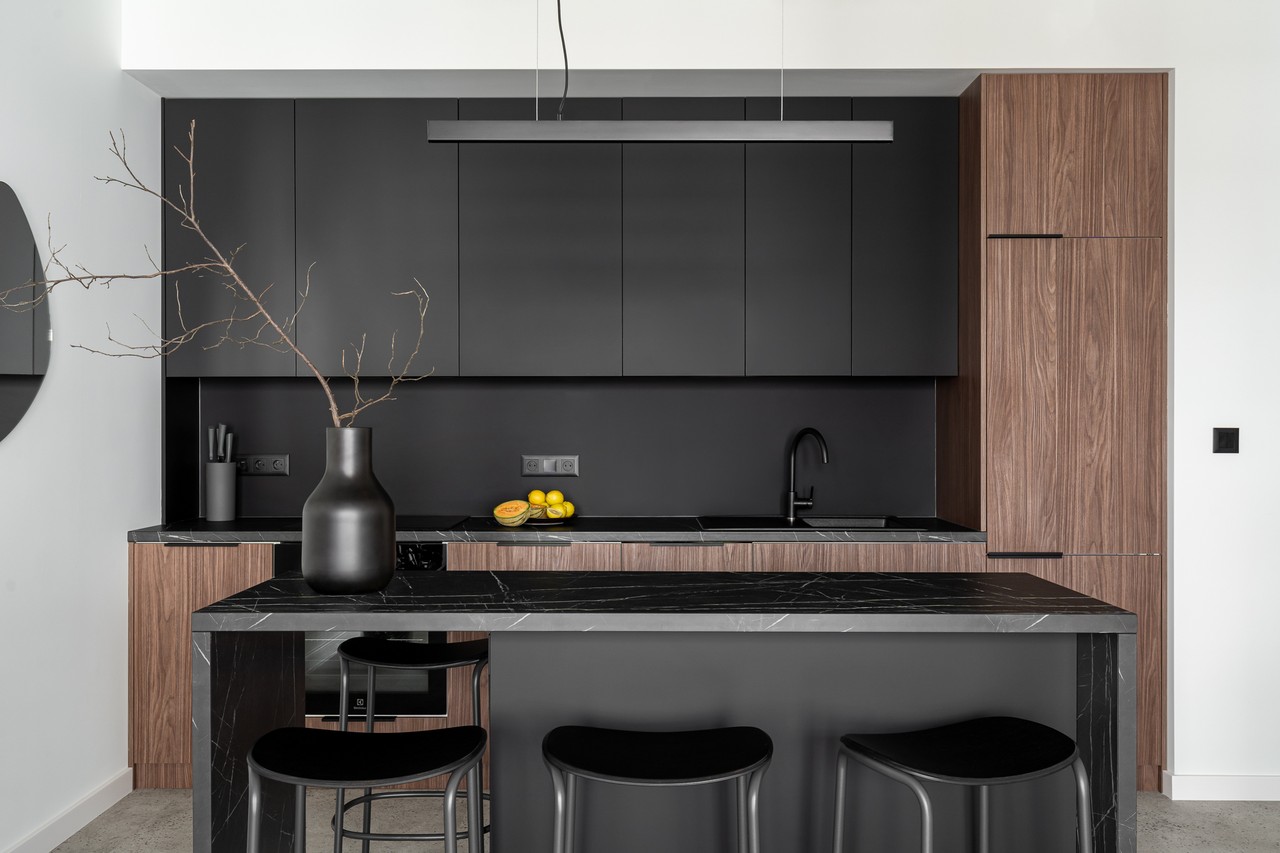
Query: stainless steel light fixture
[656, 131]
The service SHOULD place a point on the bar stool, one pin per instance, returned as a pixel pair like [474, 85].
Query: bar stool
[328, 759]
[657, 759]
[976, 753]
[379, 652]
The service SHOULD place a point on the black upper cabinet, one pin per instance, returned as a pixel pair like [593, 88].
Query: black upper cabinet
[798, 246]
[682, 246]
[244, 201]
[904, 240]
[377, 209]
[540, 248]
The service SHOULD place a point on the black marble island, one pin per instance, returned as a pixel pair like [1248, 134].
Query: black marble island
[805, 657]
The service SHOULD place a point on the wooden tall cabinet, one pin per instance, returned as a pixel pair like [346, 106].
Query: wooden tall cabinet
[166, 584]
[1052, 436]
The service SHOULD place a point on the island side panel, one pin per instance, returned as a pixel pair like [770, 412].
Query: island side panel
[1106, 732]
[244, 684]
[805, 690]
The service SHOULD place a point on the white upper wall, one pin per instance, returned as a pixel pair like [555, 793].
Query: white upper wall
[1224, 569]
[83, 466]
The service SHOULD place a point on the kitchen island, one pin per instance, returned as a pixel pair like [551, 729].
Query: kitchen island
[805, 657]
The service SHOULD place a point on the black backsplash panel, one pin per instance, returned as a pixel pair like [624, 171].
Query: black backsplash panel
[647, 446]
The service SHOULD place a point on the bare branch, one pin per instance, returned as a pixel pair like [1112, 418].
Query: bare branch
[248, 311]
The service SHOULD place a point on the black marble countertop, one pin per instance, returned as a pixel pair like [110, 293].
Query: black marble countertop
[688, 601]
[411, 528]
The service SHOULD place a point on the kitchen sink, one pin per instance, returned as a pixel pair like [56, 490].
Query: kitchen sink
[730, 523]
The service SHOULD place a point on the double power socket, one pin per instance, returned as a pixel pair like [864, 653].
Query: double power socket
[549, 466]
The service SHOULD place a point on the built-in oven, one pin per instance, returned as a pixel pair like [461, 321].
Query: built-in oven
[401, 693]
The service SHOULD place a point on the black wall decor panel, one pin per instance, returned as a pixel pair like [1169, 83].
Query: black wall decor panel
[798, 235]
[540, 249]
[647, 446]
[377, 210]
[244, 197]
[683, 246]
[905, 214]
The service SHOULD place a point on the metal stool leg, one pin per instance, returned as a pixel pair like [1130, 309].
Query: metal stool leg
[370, 696]
[475, 812]
[842, 773]
[451, 812]
[255, 811]
[344, 685]
[926, 806]
[1084, 808]
[741, 785]
[558, 784]
[753, 811]
[570, 817]
[982, 818]
[299, 819]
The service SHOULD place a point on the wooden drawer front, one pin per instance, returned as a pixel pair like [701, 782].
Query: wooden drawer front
[869, 557]
[534, 557]
[692, 557]
[166, 584]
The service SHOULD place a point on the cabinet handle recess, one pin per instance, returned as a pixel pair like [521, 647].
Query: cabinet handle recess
[534, 544]
[1024, 555]
[203, 544]
[1024, 237]
[687, 544]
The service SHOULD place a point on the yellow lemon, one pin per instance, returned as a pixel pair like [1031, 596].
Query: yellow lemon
[568, 509]
[538, 497]
[555, 496]
[556, 511]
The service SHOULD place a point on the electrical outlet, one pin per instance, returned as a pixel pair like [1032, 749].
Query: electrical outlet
[549, 466]
[1226, 439]
[263, 465]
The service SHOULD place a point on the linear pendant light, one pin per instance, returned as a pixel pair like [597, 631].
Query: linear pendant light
[655, 131]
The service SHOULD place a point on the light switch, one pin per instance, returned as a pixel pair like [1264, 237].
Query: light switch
[1226, 439]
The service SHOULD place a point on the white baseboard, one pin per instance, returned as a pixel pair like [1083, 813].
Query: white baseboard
[1189, 787]
[77, 816]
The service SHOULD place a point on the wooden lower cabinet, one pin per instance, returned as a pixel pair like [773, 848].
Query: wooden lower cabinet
[533, 557]
[686, 557]
[167, 583]
[869, 556]
[1135, 583]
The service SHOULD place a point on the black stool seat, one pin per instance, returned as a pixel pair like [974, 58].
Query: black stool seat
[987, 750]
[324, 758]
[379, 651]
[657, 758]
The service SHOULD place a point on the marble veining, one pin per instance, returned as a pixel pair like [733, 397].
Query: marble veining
[690, 601]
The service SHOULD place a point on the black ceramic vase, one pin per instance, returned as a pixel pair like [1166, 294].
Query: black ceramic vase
[348, 523]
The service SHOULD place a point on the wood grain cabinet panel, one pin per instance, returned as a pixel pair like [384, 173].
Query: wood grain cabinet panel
[868, 557]
[533, 557]
[1075, 395]
[1082, 155]
[691, 557]
[166, 584]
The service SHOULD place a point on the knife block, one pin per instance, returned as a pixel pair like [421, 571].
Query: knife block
[220, 491]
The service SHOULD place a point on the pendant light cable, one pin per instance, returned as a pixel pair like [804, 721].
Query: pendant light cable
[537, 53]
[782, 58]
[565, 51]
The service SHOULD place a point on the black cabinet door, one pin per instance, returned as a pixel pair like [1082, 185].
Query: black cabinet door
[904, 240]
[377, 209]
[798, 233]
[540, 248]
[244, 202]
[683, 246]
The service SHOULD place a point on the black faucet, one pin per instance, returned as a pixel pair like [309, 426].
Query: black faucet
[793, 502]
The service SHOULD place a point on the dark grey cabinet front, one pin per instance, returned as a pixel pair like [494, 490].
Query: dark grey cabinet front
[244, 195]
[905, 213]
[377, 210]
[798, 247]
[540, 249]
[683, 246]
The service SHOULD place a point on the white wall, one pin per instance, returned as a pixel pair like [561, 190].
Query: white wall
[83, 466]
[86, 458]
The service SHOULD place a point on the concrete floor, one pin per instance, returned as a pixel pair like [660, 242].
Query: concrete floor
[157, 820]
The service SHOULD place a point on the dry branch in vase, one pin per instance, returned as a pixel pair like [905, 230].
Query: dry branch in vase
[248, 312]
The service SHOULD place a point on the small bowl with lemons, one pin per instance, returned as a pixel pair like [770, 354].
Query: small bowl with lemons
[540, 508]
